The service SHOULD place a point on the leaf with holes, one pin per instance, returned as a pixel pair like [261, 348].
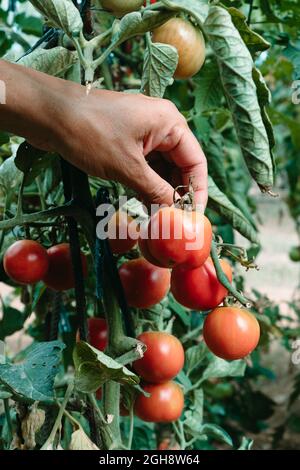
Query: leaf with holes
[61, 13]
[54, 61]
[236, 64]
[93, 368]
[160, 62]
[33, 379]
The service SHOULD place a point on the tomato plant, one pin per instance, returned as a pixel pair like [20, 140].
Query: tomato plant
[164, 405]
[98, 332]
[199, 288]
[144, 284]
[189, 43]
[26, 262]
[60, 274]
[163, 359]
[174, 236]
[231, 332]
[223, 93]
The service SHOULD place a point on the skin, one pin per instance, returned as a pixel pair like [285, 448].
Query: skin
[199, 289]
[107, 134]
[163, 359]
[231, 333]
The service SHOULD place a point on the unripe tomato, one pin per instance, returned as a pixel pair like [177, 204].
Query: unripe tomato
[230, 332]
[164, 405]
[199, 288]
[121, 7]
[144, 284]
[60, 274]
[120, 229]
[188, 41]
[98, 333]
[26, 262]
[174, 236]
[163, 359]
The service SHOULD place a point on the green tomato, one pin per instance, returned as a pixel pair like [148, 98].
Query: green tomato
[121, 7]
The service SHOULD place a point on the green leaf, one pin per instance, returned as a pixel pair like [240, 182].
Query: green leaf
[264, 99]
[218, 433]
[32, 161]
[218, 368]
[194, 416]
[54, 61]
[214, 151]
[235, 64]
[246, 444]
[12, 321]
[160, 62]
[218, 201]
[194, 356]
[10, 176]
[208, 93]
[137, 23]
[4, 392]
[254, 41]
[198, 9]
[29, 24]
[181, 311]
[33, 379]
[61, 13]
[93, 368]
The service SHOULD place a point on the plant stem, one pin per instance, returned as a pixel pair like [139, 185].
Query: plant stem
[8, 421]
[112, 412]
[57, 423]
[131, 428]
[224, 279]
[41, 193]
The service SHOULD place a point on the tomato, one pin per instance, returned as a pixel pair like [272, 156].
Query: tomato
[199, 288]
[121, 7]
[163, 359]
[26, 262]
[60, 275]
[230, 332]
[174, 236]
[189, 43]
[164, 405]
[144, 284]
[99, 394]
[120, 229]
[98, 333]
[168, 444]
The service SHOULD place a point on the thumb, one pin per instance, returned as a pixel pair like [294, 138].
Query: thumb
[154, 189]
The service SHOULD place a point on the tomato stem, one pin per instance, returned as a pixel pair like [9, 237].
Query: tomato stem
[224, 279]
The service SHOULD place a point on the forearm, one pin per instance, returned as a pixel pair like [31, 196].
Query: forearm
[34, 104]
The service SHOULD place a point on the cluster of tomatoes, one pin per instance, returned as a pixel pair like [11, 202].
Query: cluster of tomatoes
[28, 262]
[229, 332]
[162, 361]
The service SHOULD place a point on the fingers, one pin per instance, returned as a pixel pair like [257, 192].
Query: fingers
[184, 150]
[151, 187]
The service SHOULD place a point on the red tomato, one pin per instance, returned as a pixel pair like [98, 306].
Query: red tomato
[174, 236]
[231, 333]
[188, 41]
[120, 229]
[164, 405]
[199, 288]
[163, 359]
[144, 284]
[60, 275]
[168, 444]
[99, 394]
[98, 333]
[26, 262]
